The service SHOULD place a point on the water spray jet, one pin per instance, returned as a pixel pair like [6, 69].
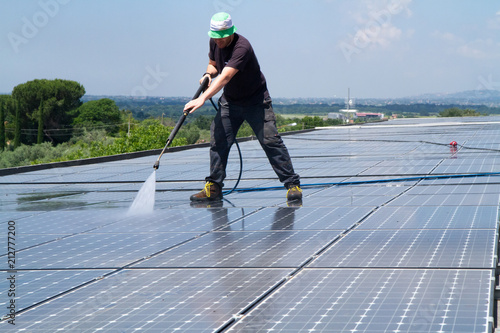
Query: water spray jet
[144, 201]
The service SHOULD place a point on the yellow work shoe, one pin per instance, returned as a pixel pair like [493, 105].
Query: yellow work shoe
[211, 192]
[294, 192]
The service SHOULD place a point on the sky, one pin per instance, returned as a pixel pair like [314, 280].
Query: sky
[313, 48]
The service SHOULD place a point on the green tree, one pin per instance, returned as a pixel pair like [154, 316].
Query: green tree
[2, 125]
[311, 122]
[457, 112]
[190, 132]
[150, 134]
[17, 131]
[203, 122]
[8, 122]
[59, 97]
[39, 138]
[100, 113]
[245, 130]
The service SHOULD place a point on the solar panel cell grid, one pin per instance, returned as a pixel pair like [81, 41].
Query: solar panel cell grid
[372, 247]
[445, 248]
[376, 301]
[433, 217]
[154, 301]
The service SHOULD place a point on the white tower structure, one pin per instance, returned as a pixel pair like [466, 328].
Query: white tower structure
[349, 110]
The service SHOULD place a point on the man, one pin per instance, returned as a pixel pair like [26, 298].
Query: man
[245, 97]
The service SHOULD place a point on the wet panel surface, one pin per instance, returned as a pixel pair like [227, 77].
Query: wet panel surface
[376, 301]
[375, 245]
[154, 301]
[271, 249]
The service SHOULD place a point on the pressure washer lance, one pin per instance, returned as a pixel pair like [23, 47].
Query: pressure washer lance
[202, 87]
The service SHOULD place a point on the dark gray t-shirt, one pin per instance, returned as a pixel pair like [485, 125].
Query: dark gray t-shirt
[248, 86]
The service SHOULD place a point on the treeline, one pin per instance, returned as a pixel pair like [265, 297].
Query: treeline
[401, 110]
[424, 110]
[51, 111]
[46, 121]
[171, 107]
[457, 112]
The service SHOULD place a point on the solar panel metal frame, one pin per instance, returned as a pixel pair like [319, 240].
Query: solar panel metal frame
[366, 184]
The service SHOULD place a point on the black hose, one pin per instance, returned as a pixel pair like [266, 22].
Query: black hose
[241, 158]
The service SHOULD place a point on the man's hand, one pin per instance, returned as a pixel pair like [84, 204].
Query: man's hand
[225, 76]
[194, 104]
[209, 79]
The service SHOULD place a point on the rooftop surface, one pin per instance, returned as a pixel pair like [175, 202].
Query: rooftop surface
[397, 232]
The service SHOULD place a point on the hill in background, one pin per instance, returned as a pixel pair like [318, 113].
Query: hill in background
[483, 101]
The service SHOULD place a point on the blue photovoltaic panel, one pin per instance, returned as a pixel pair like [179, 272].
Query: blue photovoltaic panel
[322, 199]
[372, 247]
[177, 220]
[423, 248]
[433, 217]
[67, 221]
[154, 301]
[245, 249]
[455, 189]
[479, 199]
[38, 286]
[98, 250]
[376, 301]
[300, 218]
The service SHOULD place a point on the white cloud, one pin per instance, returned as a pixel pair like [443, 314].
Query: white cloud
[384, 35]
[447, 37]
[476, 49]
[480, 49]
[494, 23]
[374, 25]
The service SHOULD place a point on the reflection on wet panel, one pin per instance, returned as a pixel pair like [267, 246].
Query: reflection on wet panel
[366, 250]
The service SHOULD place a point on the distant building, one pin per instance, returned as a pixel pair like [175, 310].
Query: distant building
[369, 115]
[349, 114]
[336, 115]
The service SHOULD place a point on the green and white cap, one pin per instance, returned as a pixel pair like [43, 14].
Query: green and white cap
[221, 26]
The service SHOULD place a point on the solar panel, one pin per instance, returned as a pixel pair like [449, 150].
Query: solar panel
[39, 286]
[300, 218]
[445, 248]
[245, 249]
[374, 246]
[473, 199]
[386, 300]
[96, 250]
[153, 301]
[433, 217]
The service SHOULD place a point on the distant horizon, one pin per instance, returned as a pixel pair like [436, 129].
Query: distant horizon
[331, 97]
[325, 97]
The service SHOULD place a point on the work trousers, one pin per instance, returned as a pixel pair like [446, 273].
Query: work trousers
[262, 120]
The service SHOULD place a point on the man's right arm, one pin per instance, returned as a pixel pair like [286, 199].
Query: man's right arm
[226, 75]
[211, 72]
